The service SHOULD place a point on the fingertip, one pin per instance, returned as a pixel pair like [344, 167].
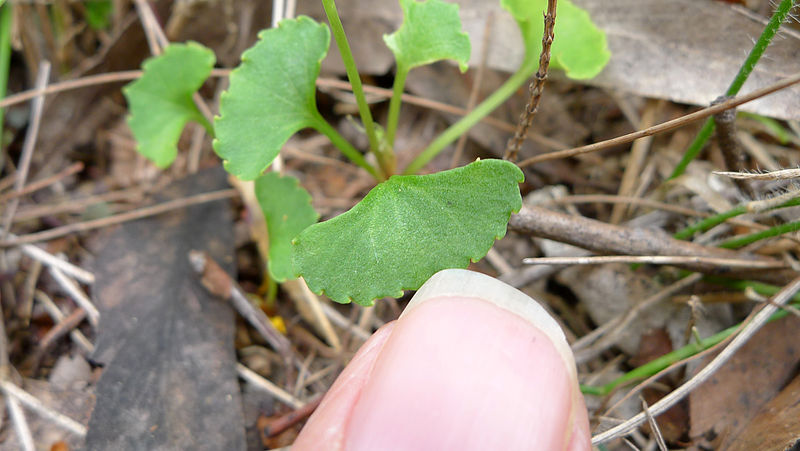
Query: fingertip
[326, 427]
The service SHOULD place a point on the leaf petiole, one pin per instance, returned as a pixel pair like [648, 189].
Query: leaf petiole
[355, 81]
[321, 125]
[394, 104]
[744, 72]
[465, 123]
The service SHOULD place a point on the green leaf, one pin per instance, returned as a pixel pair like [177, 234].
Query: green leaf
[271, 96]
[287, 210]
[160, 102]
[408, 228]
[579, 47]
[431, 31]
[98, 13]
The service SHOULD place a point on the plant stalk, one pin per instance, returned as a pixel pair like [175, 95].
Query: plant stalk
[355, 82]
[394, 104]
[322, 126]
[738, 242]
[5, 56]
[712, 221]
[465, 123]
[654, 366]
[781, 12]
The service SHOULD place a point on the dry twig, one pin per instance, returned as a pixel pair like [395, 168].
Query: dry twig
[664, 126]
[120, 218]
[536, 87]
[263, 384]
[605, 238]
[657, 260]
[219, 283]
[758, 320]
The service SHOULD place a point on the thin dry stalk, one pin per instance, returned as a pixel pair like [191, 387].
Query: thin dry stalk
[758, 320]
[46, 258]
[59, 318]
[122, 76]
[664, 126]
[37, 406]
[603, 238]
[290, 419]
[633, 169]
[783, 174]
[536, 87]
[725, 130]
[605, 336]
[76, 294]
[27, 147]
[339, 319]
[662, 446]
[267, 386]
[655, 260]
[305, 299]
[35, 186]
[20, 424]
[219, 283]
[120, 218]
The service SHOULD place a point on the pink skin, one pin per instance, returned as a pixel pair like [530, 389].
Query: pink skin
[453, 373]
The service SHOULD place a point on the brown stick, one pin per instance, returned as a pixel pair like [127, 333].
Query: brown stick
[39, 184]
[220, 284]
[120, 218]
[664, 126]
[537, 85]
[725, 130]
[280, 424]
[611, 239]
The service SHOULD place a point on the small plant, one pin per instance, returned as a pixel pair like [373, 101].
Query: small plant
[408, 227]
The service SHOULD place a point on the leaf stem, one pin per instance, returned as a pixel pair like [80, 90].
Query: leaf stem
[355, 81]
[738, 242]
[322, 126]
[654, 366]
[394, 104]
[781, 12]
[465, 123]
[712, 221]
[5, 55]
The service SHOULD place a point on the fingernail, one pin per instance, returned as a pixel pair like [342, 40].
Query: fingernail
[472, 363]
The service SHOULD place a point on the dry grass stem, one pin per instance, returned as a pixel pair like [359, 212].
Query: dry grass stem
[58, 317]
[749, 329]
[120, 218]
[27, 153]
[655, 260]
[267, 386]
[783, 174]
[603, 238]
[339, 319]
[664, 126]
[605, 336]
[80, 298]
[536, 87]
[662, 446]
[20, 424]
[37, 406]
[636, 161]
[35, 186]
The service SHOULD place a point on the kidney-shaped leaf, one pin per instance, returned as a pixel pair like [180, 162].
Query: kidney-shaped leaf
[407, 229]
[271, 95]
[579, 47]
[160, 102]
[431, 31]
[288, 211]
